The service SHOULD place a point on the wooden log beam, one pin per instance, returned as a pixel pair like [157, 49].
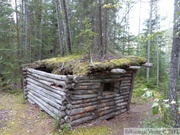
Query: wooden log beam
[118, 71]
[48, 87]
[49, 75]
[134, 67]
[41, 102]
[50, 95]
[80, 110]
[148, 65]
[45, 97]
[33, 99]
[84, 92]
[79, 101]
[82, 120]
[50, 80]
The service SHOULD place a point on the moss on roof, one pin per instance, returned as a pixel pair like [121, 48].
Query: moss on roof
[79, 65]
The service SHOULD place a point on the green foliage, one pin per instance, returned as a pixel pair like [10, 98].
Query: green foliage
[87, 35]
[56, 122]
[160, 105]
[139, 87]
[155, 123]
[64, 129]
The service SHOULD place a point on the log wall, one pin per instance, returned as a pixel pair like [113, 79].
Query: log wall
[79, 99]
[46, 90]
[90, 101]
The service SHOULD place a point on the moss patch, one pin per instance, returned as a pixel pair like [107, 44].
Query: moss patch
[79, 65]
[97, 130]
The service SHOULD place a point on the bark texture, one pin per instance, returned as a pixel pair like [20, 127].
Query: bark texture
[173, 96]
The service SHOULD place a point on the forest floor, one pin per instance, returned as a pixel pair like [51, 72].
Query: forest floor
[20, 118]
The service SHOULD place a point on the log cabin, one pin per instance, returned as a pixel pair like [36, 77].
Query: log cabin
[77, 92]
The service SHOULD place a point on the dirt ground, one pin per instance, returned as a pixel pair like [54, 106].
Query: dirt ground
[18, 118]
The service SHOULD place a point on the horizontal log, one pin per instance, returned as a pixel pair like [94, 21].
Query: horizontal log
[121, 97]
[121, 100]
[101, 79]
[80, 110]
[111, 114]
[127, 81]
[121, 104]
[105, 112]
[50, 95]
[84, 92]
[79, 101]
[121, 111]
[82, 120]
[57, 83]
[119, 108]
[85, 104]
[45, 97]
[49, 75]
[81, 115]
[135, 67]
[46, 83]
[30, 101]
[88, 87]
[125, 84]
[50, 88]
[124, 90]
[118, 71]
[51, 108]
[46, 100]
[84, 96]
[59, 97]
[124, 93]
[148, 65]
[35, 100]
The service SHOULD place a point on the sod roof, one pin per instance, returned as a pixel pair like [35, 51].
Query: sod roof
[79, 65]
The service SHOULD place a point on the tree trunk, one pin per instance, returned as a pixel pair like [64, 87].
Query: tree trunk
[173, 96]
[26, 29]
[100, 30]
[69, 43]
[57, 5]
[139, 27]
[149, 40]
[106, 29]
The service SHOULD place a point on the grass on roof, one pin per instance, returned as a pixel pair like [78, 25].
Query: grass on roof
[79, 65]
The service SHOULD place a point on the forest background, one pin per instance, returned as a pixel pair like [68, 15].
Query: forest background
[33, 30]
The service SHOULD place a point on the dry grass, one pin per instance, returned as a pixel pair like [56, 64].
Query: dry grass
[22, 119]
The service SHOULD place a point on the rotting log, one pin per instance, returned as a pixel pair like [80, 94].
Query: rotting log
[51, 93]
[49, 75]
[50, 80]
[50, 88]
[81, 110]
[52, 85]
